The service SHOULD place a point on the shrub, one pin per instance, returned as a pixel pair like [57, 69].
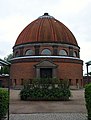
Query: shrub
[88, 99]
[46, 90]
[3, 102]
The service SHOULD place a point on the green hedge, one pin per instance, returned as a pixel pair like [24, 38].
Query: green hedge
[50, 89]
[88, 99]
[3, 102]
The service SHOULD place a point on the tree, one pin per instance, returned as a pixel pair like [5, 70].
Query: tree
[89, 73]
[1, 70]
[5, 69]
[10, 56]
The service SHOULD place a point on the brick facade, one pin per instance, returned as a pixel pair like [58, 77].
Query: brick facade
[69, 69]
[4, 80]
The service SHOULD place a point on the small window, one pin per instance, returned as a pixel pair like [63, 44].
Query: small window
[76, 81]
[22, 81]
[15, 82]
[70, 82]
[81, 82]
[75, 54]
[17, 54]
[46, 52]
[63, 52]
[29, 52]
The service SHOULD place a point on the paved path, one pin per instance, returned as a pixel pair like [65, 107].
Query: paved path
[48, 110]
[49, 116]
[76, 104]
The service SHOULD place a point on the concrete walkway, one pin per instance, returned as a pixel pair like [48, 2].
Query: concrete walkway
[48, 110]
[76, 104]
[49, 116]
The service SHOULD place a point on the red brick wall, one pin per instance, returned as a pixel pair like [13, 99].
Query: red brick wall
[4, 80]
[20, 71]
[65, 70]
[71, 71]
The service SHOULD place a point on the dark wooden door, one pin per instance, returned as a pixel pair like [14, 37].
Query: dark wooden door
[46, 72]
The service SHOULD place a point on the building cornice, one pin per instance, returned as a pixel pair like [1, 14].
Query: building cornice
[60, 59]
[36, 57]
[46, 44]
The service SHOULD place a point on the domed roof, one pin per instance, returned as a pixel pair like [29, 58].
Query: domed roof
[46, 29]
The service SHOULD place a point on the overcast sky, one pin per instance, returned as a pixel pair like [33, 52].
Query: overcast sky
[16, 14]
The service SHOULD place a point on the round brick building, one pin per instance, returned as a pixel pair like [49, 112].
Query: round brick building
[46, 48]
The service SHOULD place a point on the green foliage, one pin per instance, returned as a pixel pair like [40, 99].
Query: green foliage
[88, 99]
[4, 70]
[3, 102]
[1, 70]
[10, 56]
[46, 89]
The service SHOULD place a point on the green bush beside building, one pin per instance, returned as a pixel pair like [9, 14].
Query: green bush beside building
[3, 102]
[46, 89]
[88, 99]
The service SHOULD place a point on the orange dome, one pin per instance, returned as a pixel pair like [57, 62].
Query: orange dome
[46, 29]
